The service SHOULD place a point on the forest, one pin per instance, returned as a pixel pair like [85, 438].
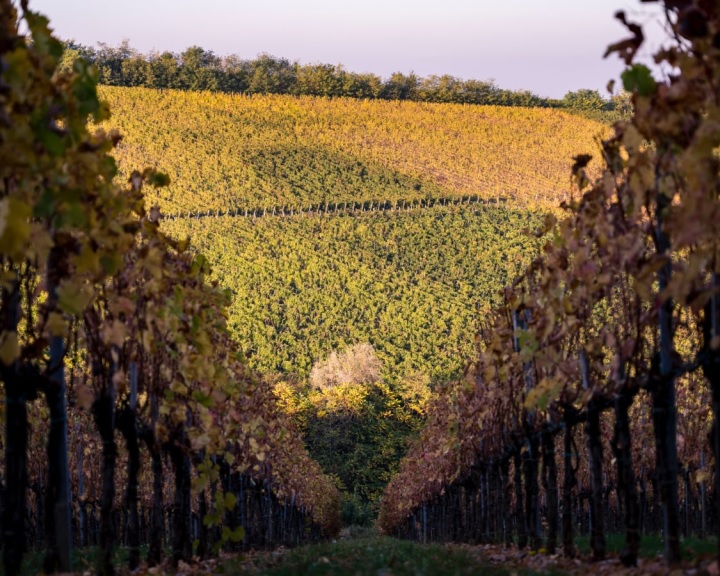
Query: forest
[237, 320]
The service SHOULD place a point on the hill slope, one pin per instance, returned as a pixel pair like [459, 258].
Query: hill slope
[410, 283]
[413, 283]
[233, 152]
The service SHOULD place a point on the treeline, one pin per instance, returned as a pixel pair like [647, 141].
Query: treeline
[200, 69]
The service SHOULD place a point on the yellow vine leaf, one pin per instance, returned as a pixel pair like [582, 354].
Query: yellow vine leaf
[74, 297]
[87, 261]
[14, 227]
[702, 476]
[56, 324]
[9, 348]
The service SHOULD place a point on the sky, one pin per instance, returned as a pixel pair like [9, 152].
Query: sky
[546, 46]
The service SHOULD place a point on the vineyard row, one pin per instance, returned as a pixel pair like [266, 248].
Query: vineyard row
[619, 311]
[340, 207]
[116, 359]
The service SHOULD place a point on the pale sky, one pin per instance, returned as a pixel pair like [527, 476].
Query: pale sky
[546, 46]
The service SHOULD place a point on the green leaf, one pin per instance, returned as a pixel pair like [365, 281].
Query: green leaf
[230, 501]
[52, 142]
[9, 347]
[211, 519]
[14, 227]
[238, 535]
[110, 263]
[74, 298]
[201, 398]
[639, 79]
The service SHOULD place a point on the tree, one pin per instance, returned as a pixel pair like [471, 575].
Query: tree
[356, 365]
[585, 100]
[401, 87]
[271, 75]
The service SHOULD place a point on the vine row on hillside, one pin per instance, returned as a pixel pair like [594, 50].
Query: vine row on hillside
[609, 342]
[340, 208]
[120, 330]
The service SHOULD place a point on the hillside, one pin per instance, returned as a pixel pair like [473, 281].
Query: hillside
[243, 152]
[414, 283]
[410, 283]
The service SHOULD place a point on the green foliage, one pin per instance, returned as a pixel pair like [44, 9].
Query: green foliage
[368, 556]
[356, 512]
[638, 78]
[409, 283]
[199, 69]
[360, 446]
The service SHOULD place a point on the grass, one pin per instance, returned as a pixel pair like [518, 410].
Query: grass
[371, 555]
[653, 545]
[361, 551]
[84, 560]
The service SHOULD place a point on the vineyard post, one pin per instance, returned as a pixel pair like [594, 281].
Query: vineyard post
[626, 490]
[484, 511]
[711, 369]
[104, 413]
[505, 501]
[663, 389]
[495, 511]
[518, 459]
[424, 523]
[519, 508]
[203, 532]
[181, 548]
[154, 555]
[58, 506]
[128, 424]
[568, 483]
[81, 486]
[688, 498]
[17, 393]
[595, 450]
[530, 457]
[551, 488]
[703, 512]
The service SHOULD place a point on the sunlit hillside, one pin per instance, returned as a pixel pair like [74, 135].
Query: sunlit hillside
[412, 284]
[235, 152]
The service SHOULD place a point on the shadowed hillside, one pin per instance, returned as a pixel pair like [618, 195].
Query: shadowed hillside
[235, 152]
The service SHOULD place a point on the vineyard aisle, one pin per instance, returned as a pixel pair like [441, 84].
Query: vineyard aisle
[366, 553]
[361, 551]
